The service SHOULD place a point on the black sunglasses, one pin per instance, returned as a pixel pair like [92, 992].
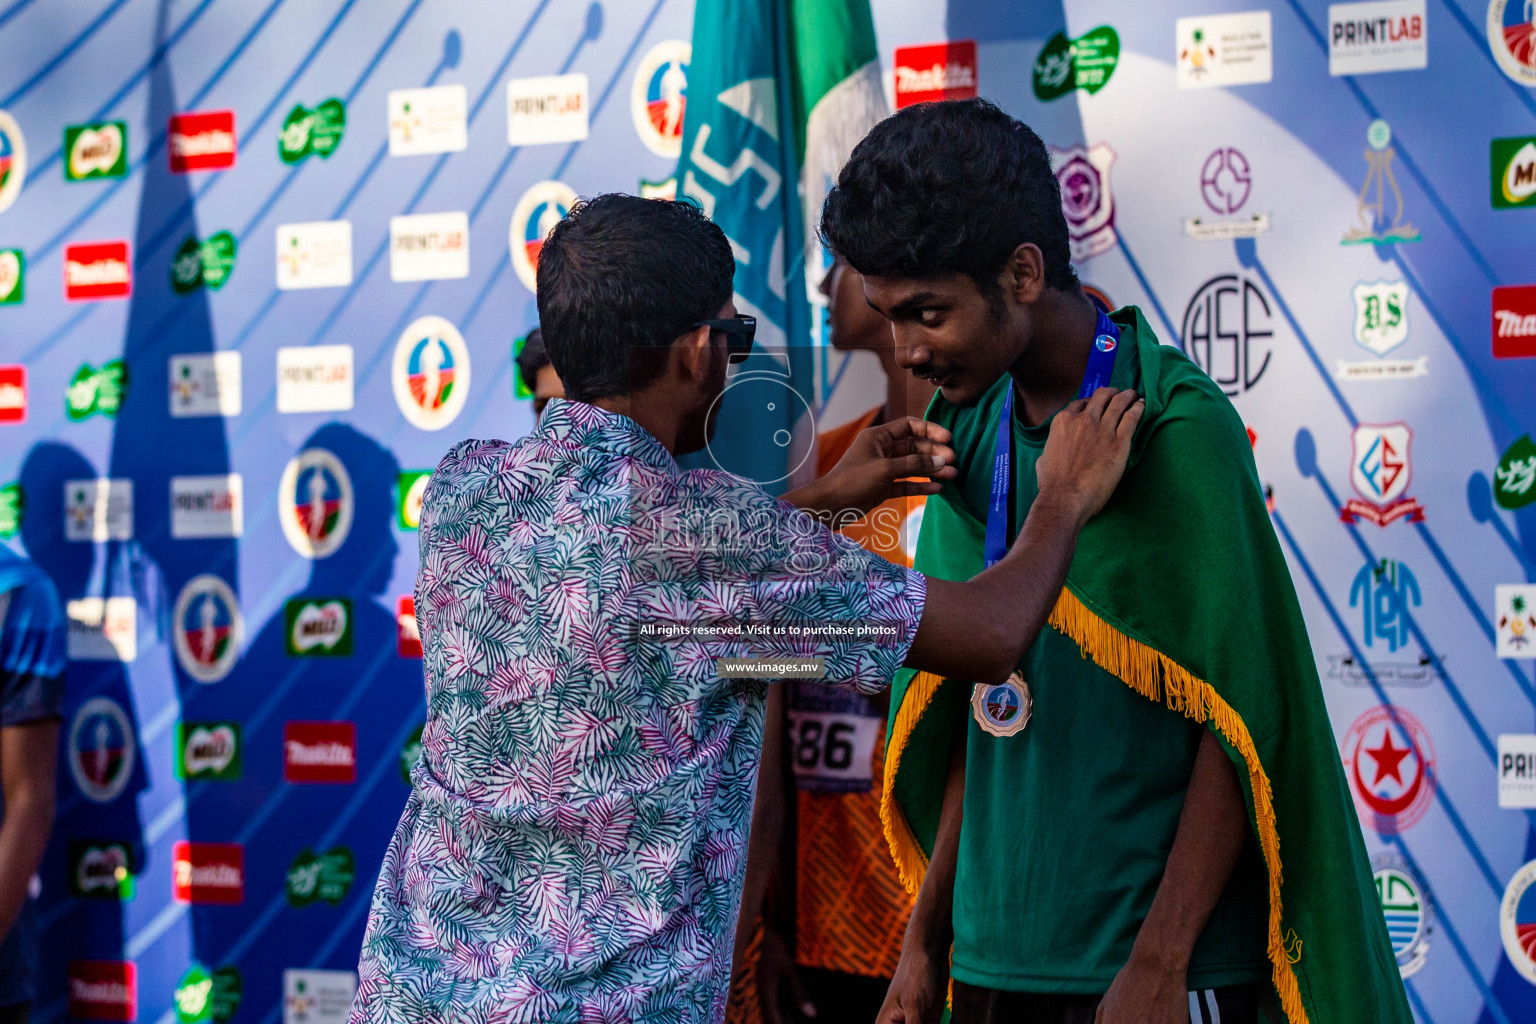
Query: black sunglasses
[739, 331]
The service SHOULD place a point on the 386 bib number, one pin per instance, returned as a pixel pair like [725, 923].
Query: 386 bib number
[832, 752]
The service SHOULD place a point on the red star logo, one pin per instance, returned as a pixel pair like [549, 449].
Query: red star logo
[1388, 759]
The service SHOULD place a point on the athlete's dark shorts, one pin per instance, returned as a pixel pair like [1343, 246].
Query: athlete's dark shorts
[1238, 1004]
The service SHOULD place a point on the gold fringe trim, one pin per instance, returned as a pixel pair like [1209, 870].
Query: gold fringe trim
[1157, 677]
[911, 861]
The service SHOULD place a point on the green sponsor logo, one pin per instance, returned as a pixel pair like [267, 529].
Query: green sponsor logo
[411, 486]
[1512, 167]
[96, 151]
[410, 754]
[520, 388]
[101, 870]
[319, 627]
[13, 277]
[203, 995]
[96, 390]
[209, 263]
[307, 131]
[1084, 63]
[324, 877]
[666, 188]
[12, 504]
[1514, 482]
[209, 750]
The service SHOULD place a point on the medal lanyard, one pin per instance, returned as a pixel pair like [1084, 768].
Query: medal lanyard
[1101, 363]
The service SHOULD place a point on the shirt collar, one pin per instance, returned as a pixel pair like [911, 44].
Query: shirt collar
[581, 425]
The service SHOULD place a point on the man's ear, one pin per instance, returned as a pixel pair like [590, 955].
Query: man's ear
[692, 356]
[1024, 275]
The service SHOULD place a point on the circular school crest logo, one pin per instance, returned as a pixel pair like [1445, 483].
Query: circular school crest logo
[1104, 343]
[13, 160]
[208, 628]
[659, 97]
[541, 208]
[1003, 709]
[1406, 906]
[1391, 765]
[101, 749]
[1512, 38]
[431, 373]
[314, 500]
[1517, 921]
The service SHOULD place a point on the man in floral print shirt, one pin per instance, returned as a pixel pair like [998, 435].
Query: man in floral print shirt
[573, 845]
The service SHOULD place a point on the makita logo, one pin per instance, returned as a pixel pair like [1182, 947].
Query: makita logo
[1513, 325]
[112, 992]
[320, 752]
[938, 77]
[208, 872]
[219, 876]
[97, 270]
[938, 71]
[12, 396]
[202, 142]
[1514, 321]
[108, 271]
[334, 755]
[103, 990]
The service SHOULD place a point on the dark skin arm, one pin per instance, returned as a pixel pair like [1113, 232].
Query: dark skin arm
[27, 759]
[767, 833]
[1151, 987]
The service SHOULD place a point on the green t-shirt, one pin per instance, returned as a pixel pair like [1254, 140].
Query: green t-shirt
[1068, 824]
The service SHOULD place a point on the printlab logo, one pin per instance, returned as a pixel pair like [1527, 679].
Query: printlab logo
[549, 109]
[537, 212]
[320, 752]
[1379, 35]
[431, 373]
[319, 627]
[101, 750]
[207, 506]
[316, 131]
[13, 394]
[1227, 332]
[1514, 480]
[208, 628]
[429, 247]
[1517, 921]
[315, 503]
[13, 277]
[317, 254]
[1512, 38]
[102, 629]
[13, 160]
[1380, 470]
[209, 751]
[97, 270]
[211, 873]
[314, 378]
[658, 97]
[317, 997]
[410, 489]
[936, 71]
[1408, 910]
[103, 990]
[1385, 593]
[1515, 615]
[96, 390]
[96, 151]
[407, 633]
[1372, 205]
[203, 995]
[1517, 771]
[202, 141]
[205, 384]
[431, 120]
[101, 870]
[98, 510]
[321, 878]
[1514, 321]
[1085, 63]
[1225, 183]
[1224, 49]
[1391, 767]
[198, 264]
[1086, 199]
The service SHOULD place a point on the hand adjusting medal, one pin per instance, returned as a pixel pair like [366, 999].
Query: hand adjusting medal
[1004, 709]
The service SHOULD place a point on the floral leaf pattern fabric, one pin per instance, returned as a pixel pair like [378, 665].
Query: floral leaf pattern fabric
[573, 846]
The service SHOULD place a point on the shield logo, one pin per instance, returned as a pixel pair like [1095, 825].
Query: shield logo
[1086, 200]
[1379, 467]
[1381, 315]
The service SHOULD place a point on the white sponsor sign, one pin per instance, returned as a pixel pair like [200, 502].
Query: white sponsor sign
[314, 255]
[314, 378]
[98, 510]
[102, 629]
[1517, 771]
[205, 385]
[1224, 49]
[429, 246]
[1382, 35]
[549, 109]
[207, 506]
[432, 120]
[1381, 369]
[317, 997]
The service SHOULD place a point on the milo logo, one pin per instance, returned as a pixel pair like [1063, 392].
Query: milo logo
[101, 870]
[94, 390]
[198, 264]
[319, 627]
[209, 750]
[13, 276]
[202, 995]
[321, 878]
[96, 151]
[307, 131]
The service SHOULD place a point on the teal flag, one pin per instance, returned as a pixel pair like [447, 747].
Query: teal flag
[779, 92]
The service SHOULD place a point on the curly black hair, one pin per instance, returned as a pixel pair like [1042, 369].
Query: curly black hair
[950, 187]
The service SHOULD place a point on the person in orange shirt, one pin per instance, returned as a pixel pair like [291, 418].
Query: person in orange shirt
[833, 938]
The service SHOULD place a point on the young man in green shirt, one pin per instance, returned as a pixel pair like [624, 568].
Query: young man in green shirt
[1100, 839]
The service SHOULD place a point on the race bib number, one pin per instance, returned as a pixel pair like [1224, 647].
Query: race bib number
[833, 752]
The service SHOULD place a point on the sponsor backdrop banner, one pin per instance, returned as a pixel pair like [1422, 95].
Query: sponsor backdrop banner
[261, 263]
